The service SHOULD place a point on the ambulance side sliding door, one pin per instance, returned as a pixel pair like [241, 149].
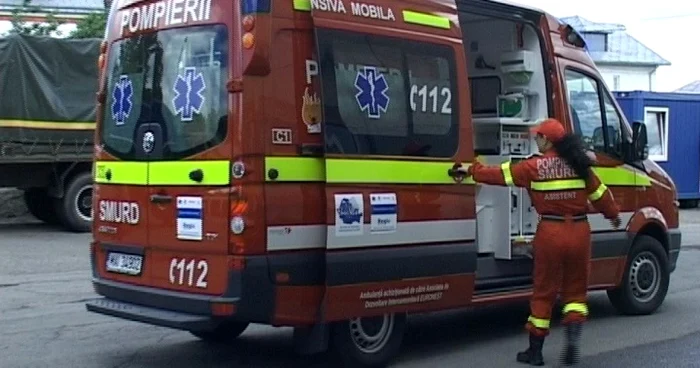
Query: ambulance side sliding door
[395, 215]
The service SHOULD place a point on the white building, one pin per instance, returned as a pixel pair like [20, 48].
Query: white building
[68, 12]
[625, 63]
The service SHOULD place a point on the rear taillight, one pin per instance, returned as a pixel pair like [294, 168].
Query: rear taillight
[239, 206]
[247, 215]
[248, 37]
[238, 210]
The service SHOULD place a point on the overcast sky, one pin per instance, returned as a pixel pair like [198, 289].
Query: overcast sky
[668, 27]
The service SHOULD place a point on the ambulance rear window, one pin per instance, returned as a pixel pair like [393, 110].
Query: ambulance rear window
[174, 78]
[386, 96]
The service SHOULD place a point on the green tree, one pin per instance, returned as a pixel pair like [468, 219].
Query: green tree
[21, 26]
[92, 26]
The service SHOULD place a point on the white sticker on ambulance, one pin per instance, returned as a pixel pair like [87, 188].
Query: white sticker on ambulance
[120, 212]
[189, 218]
[357, 9]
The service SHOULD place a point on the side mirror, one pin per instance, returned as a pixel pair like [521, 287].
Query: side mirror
[640, 147]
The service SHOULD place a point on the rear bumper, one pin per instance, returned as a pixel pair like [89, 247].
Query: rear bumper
[674, 248]
[153, 316]
[250, 293]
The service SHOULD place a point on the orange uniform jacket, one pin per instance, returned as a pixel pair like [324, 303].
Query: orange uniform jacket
[553, 186]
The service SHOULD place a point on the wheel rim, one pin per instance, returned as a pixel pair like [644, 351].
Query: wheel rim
[370, 335]
[83, 203]
[645, 276]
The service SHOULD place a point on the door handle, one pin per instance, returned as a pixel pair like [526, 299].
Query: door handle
[455, 173]
[161, 198]
[197, 175]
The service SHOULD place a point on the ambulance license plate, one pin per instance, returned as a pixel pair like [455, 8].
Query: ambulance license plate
[129, 264]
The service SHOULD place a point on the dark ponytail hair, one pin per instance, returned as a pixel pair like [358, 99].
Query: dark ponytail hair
[571, 149]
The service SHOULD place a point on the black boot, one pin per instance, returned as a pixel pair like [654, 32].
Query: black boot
[533, 354]
[571, 353]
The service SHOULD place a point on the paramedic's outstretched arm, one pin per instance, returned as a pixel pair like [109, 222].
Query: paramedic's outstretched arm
[602, 199]
[506, 174]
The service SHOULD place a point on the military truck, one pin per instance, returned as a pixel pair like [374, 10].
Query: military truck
[47, 123]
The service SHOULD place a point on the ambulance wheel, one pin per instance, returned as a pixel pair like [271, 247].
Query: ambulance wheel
[75, 208]
[40, 205]
[225, 332]
[645, 282]
[369, 341]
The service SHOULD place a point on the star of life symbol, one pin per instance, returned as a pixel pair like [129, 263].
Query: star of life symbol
[188, 98]
[372, 90]
[121, 100]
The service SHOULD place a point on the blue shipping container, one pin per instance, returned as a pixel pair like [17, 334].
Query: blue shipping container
[673, 128]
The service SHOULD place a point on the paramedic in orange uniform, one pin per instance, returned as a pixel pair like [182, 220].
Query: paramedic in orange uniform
[560, 183]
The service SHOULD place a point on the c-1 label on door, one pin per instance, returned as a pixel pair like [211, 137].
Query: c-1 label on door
[189, 218]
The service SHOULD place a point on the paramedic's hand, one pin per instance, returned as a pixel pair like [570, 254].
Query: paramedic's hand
[616, 222]
[477, 163]
[465, 170]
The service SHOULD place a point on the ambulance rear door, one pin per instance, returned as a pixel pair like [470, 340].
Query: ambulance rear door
[166, 121]
[190, 149]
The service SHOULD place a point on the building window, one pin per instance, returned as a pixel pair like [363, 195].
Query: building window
[596, 41]
[656, 121]
[616, 82]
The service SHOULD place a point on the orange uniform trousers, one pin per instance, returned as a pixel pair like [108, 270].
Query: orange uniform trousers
[562, 254]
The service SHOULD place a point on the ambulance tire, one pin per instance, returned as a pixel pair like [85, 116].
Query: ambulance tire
[369, 346]
[645, 282]
[225, 332]
[40, 205]
[75, 208]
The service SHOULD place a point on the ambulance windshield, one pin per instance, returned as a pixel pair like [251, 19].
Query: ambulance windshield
[173, 79]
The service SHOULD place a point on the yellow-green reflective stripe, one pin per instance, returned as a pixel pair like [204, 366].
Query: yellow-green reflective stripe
[426, 19]
[302, 5]
[619, 176]
[296, 168]
[290, 169]
[507, 176]
[539, 322]
[178, 172]
[564, 184]
[576, 307]
[389, 172]
[120, 172]
[598, 193]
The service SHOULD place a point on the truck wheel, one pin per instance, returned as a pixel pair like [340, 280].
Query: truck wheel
[645, 282]
[40, 205]
[225, 332]
[369, 341]
[75, 208]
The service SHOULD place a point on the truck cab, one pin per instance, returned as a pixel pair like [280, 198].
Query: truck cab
[291, 163]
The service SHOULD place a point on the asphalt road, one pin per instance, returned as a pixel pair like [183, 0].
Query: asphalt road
[44, 281]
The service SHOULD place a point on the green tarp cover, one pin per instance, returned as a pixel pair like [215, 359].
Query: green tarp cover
[48, 92]
[45, 79]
